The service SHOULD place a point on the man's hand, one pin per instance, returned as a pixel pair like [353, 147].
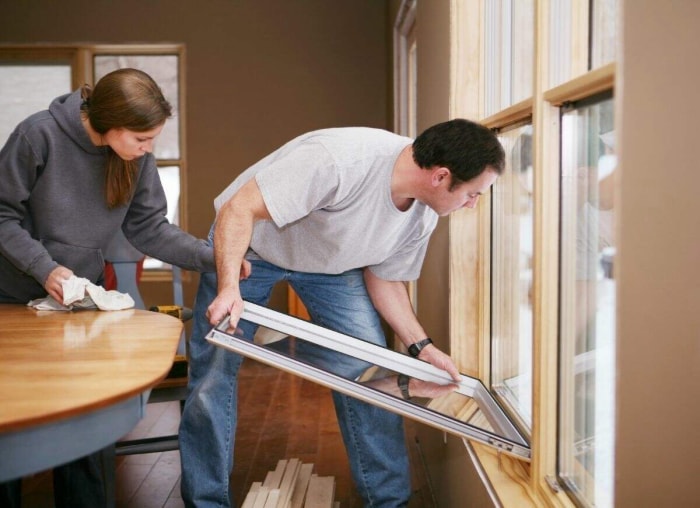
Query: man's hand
[428, 389]
[438, 359]
[53, 284]
[227, 302]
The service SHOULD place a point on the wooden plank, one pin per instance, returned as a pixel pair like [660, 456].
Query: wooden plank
[321, 492]
[273, 478]
[261, 497]
[252, 495]
[301, 485]
[288, 480]
[272, 498]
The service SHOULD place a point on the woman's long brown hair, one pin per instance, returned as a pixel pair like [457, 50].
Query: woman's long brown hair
[127, 99]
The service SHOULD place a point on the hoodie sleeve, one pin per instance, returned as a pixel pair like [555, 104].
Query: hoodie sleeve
[148, 229]
[20, 166]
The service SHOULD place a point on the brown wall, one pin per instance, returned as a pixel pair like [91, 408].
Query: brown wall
[258, 73]
[657, 448]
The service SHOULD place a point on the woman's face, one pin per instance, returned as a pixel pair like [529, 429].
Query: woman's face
[130, 145]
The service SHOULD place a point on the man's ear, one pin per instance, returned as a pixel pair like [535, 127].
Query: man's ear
[440, 174]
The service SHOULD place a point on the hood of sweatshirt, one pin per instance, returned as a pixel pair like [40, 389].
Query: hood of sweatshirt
[66, 111]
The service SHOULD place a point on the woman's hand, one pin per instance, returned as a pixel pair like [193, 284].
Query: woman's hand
[53, 284]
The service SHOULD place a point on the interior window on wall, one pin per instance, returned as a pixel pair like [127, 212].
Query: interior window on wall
[511, 275]
[29, 88]
[509, 47]
[603, 32]
[587, 327]
[164, 69]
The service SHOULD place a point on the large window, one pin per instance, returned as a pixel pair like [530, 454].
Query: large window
[541, 318]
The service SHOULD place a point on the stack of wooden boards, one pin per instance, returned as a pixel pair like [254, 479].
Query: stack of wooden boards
[292, 485]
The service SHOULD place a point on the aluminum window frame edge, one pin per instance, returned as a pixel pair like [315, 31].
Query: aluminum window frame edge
[383, 357]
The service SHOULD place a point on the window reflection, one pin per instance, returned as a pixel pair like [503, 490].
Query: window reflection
[511, 275]
[371, 373]
[603, 32]
[509, 48]
[587, 334]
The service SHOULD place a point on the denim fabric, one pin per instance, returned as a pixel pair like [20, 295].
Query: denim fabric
[374, 438]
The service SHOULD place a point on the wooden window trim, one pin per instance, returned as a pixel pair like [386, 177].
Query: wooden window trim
[514, 482]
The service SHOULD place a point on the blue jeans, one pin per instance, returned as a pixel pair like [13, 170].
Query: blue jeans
[373, 437]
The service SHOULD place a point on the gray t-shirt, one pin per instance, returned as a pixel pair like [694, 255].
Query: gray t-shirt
[329, 195]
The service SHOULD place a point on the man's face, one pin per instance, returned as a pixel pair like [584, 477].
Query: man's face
[464, 195]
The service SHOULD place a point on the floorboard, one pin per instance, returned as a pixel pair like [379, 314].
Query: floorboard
[281, 416]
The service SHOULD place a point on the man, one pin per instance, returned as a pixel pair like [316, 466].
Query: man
[344, 216]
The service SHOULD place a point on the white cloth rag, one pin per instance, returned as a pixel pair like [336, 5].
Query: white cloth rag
[74, 297]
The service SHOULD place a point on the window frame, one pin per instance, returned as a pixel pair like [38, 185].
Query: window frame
[470, 233]
[275, 326]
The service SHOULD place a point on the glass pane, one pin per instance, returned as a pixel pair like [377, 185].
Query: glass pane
[164, 70]
[509, 48]
[587, 328]
[523, 50]
[511, 275]
[334, 360]
[170, 178]
[560, 52]
[604, 32]
[26, 89]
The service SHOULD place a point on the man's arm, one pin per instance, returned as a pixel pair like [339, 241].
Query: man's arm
[232, 234]
[390, 298]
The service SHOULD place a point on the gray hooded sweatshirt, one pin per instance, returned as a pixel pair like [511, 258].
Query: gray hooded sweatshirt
[53, 209]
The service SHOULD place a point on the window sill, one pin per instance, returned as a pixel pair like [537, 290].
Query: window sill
[508, 480]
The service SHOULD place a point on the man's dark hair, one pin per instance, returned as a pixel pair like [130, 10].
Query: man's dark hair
[464, 147]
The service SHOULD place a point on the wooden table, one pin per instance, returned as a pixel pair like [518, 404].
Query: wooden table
[71, 383]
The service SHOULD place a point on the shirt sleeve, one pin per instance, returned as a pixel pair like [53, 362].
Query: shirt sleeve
[19, 170]
[304, 180]
[406, 263]
[148, 229]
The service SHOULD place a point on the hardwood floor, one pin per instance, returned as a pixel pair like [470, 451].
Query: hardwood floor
[280, 416]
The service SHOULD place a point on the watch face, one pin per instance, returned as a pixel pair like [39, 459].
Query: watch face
[415, 349]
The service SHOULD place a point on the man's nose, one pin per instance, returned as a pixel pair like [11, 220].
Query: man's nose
[471, 202]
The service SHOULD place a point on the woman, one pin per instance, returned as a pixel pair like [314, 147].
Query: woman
[72, 176]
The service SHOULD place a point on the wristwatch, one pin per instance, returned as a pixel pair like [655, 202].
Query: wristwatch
[415, 349]
[403, 386]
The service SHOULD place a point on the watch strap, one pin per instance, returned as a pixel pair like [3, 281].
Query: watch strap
[403, 386]
[415, 349]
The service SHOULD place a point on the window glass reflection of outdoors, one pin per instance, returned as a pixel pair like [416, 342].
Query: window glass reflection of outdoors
[588, 344]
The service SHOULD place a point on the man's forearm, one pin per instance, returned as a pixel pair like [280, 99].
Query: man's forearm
[234, 230]
[391, 300]
[231, 240]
